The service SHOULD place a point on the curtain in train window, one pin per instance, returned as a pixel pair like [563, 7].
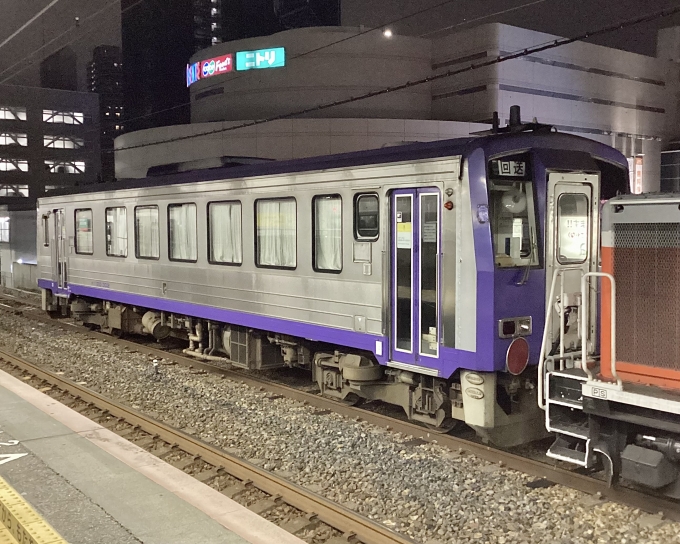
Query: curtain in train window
[276, 233]
[84, 232]
[116, 232]
[225, 232]
[182, 223]
[148, 232]
[328, 233]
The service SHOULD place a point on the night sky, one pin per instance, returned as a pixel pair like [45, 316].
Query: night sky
[561, 17]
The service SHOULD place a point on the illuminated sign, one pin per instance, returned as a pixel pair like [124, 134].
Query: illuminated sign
[245, 60]
[209, 67]
[262, 58]
[193, 73]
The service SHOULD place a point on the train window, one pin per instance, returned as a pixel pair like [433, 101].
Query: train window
[327, 248]
[182, 229]
[366, 217]
[276, 238]
[84, 232]
[147, 233]
[572, 228]
[224, 228]
[116, 232]
[513, 223]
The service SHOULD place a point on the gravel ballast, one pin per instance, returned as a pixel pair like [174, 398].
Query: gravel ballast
[425, 491]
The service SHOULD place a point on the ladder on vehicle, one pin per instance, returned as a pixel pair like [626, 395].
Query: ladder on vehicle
[562, 374]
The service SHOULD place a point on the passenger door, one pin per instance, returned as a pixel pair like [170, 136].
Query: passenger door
[572, 246]
[415, 250]
[60, 252]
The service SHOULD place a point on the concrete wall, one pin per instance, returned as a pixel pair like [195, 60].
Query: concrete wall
[24, 276]
[288, 139]
[18, 258]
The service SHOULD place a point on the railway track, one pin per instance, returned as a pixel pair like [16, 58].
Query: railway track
[298, 510]
[544, 473]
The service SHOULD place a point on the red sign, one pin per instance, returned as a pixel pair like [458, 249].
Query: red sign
[216, 66]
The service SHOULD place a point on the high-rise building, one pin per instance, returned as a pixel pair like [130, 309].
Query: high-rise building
[59, 71]
[304, 13]
[207, 23]
[105, 77]
[158, 39]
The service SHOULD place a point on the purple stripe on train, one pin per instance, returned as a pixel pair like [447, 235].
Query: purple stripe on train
[449, 361]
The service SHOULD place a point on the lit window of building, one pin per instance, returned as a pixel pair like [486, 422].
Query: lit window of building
[13, 138]
[65, 167]
[11, 165]
[12, 114]
[4, 229]
[65, 117]
[14, 190]
[63, 142]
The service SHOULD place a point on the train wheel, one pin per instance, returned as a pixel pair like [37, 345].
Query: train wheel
[448, 425]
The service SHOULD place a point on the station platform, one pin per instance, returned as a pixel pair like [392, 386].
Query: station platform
[94, 487]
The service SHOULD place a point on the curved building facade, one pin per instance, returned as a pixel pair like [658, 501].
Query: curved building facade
[320, 65]
[619, 98]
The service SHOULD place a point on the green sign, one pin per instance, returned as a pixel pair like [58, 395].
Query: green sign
[262, 58]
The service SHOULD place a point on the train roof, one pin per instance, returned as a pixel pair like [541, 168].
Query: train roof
[497, 144]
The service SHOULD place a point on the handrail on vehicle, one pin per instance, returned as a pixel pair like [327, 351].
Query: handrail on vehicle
[559, 272]
[584, 325]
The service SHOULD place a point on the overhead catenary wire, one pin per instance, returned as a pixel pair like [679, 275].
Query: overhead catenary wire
[232, 79]
[28, 23]
[466, 22]
[450, 73]
[84, 33]
[295, 57]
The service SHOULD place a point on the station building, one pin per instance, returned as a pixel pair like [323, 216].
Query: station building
[623, 99]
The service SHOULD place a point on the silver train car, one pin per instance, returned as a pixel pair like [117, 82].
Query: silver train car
[415, 275]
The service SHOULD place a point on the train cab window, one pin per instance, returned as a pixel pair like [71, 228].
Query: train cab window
[573, 224]
[276, 238]
[147, 232]
[327, 249]
[182, 228]
[512, 213]
[116, 232]
[84, 232]
[224, 228]
[366, 217]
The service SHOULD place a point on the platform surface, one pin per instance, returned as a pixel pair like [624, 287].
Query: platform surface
[94, 487]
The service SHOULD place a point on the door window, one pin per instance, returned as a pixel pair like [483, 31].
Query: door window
[572, 228]
[403, 284]
[429, 272]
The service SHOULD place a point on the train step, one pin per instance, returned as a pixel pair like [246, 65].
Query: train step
[571, 450]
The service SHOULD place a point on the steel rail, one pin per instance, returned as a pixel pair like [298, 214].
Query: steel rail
[557, 475]
[326, 511]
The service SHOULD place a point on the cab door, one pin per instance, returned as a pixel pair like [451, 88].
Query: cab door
[415, 249]
[572, 247]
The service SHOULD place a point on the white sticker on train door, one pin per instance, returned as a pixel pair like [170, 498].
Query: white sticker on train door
[404, 236]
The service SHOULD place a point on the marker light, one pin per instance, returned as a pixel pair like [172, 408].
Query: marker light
[517, 357]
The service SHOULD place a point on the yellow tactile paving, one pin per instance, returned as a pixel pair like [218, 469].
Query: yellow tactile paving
[6, 537]
[20, 524]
